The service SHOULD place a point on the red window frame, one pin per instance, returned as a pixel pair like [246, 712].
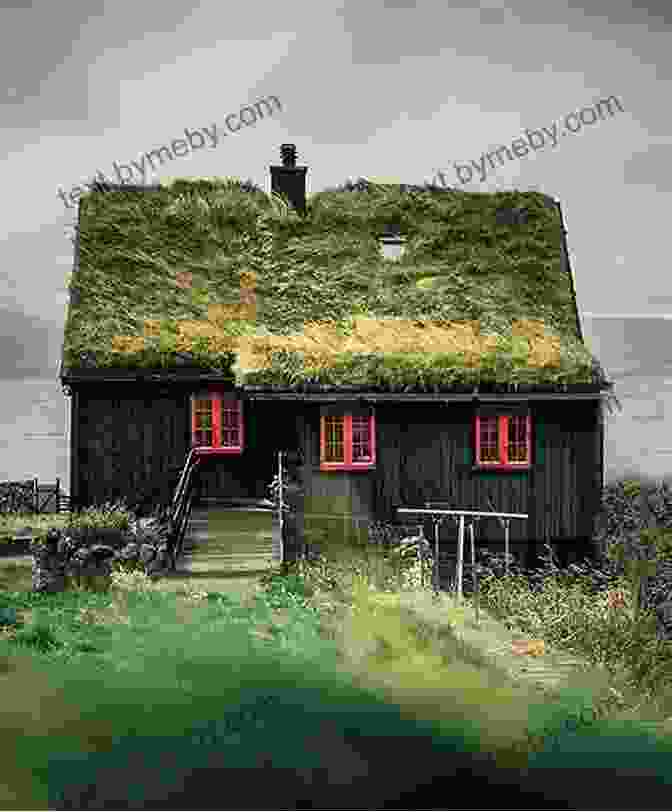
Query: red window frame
[350, 437]
[501, 440]
[224, 414]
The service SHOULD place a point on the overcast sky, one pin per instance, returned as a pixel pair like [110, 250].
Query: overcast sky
[374, 88]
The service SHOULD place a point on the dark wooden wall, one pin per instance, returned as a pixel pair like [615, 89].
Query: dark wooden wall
[425, 453]
[126, 438]
[568, 475]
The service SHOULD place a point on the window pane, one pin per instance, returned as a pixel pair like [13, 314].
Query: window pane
[334, 434]
[361, 439]
[203, 437]
[203, 420]
[518, 451]
[230, 423]
[489, 439]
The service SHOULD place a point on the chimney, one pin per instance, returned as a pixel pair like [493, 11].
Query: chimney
[290, 179]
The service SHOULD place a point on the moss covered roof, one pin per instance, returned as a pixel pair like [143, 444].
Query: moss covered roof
[218, 276]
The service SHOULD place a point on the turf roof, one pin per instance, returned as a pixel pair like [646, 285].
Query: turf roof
[219, 276]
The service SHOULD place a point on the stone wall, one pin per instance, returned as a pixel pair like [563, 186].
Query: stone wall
[80, 554]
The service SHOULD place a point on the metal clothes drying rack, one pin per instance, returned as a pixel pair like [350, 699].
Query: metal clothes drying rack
[438, 516]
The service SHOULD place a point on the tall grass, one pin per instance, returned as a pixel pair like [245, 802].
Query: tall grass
[140, 700]
[319, 692]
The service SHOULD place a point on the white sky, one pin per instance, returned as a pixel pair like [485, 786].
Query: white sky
[368, 88]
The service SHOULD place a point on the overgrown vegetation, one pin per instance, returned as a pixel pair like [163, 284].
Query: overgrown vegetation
[115, 515]
[218, 275]
[324, 685]
[112, 514]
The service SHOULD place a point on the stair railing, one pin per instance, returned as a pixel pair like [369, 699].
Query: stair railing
[181, 506]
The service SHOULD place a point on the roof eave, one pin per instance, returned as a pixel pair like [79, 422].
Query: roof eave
[568, 265]
[581, 391]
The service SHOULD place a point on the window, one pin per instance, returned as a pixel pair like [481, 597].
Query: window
[503, 441]
[217, 423]
[392, 248]
[347, 441]
[390, 241]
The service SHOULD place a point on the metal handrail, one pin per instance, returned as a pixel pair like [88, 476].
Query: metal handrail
[181, 506]
[186, 468]
[182, 527]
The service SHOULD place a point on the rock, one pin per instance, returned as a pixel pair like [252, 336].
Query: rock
[129, 553]
[48, 581]
[147, 553]
[66, 547]
[72, 561]
[664, 616]
[102, 552]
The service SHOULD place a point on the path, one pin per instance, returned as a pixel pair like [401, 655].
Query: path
[226, 549]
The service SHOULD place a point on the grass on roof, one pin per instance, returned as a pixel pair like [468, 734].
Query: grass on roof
[219, 275]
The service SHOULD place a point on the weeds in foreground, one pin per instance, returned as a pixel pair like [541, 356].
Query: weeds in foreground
[604, 627]
[200, 680]
[566, 609]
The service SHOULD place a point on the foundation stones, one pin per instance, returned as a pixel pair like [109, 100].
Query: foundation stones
[78, 556]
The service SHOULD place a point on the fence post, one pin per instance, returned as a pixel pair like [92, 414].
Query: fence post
[280, 509]
[437, 585]
[473, 568]
[506, 546]
[460, 558]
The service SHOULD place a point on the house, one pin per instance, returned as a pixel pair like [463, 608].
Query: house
[413, 343]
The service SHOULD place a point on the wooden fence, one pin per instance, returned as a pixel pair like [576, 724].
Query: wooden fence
[31, 497]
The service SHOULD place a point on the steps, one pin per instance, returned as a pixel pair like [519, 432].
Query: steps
[224, 541]
[233, 503]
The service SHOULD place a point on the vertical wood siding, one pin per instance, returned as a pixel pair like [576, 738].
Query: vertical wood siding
[425, 453]
[125, 438]
[124, 444]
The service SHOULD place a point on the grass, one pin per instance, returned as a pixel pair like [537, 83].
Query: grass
[461, 263]
[39, 523]
[140, 697]
[565, 611]
[560, 608]
[108, 515]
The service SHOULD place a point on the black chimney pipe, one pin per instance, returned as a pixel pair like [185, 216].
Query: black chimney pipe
[290, 179]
